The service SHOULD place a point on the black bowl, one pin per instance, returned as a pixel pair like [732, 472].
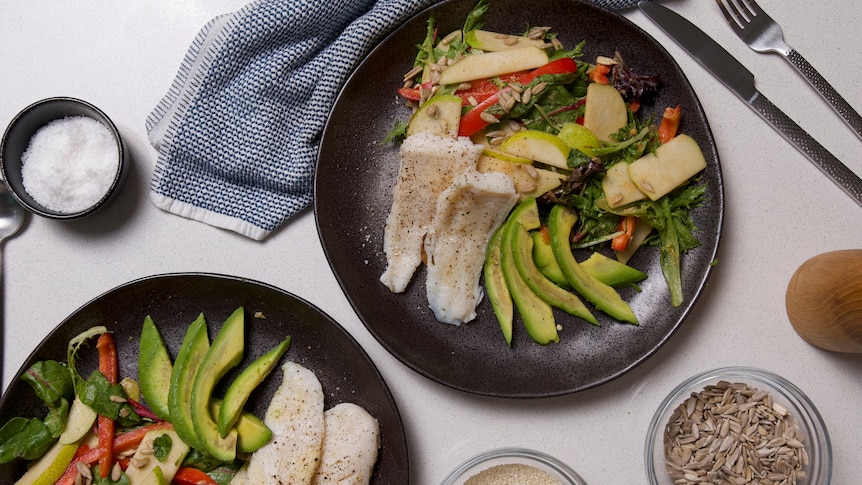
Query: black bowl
[16, 139]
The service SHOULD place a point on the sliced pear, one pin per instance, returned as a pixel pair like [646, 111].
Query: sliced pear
[671, 166]
[546, 180]
[491, 64]
[48, 469]
[493, 41]
[604, 111]
[524, 181]
[440, 115]
[618, 187]
[579, 137]
[491, 152]
[539, 146]
[80, 421]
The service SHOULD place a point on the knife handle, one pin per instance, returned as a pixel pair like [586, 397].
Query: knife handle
[842, 176]
[848, 114]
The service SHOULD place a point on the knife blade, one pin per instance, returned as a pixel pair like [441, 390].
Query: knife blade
[740, 81]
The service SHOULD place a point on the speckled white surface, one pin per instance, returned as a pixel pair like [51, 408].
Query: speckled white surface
[780, 211]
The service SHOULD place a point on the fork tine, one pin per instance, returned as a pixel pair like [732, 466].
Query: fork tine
[731, 14]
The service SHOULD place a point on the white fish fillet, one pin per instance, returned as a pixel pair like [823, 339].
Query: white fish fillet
[466, 217]
[296, 418]
[429, 164]
[349, 446]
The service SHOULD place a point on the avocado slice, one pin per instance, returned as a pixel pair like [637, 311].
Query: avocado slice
[154, 370]
[495, 285]
[251, 432]
[224, 354]
[538, 316]
[192, 351]
[521, 245]
[611, 272]
[240, 389]
[599, 294]
[543, 256]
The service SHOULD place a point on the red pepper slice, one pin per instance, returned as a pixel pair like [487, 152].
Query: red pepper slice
[627, 225]
[108, 367]
[472, 120]
[669, 124]
[192, 476]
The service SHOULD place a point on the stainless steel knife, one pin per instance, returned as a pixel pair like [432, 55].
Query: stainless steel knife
[740, 80]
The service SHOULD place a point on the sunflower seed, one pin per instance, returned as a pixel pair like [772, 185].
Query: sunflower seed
[488, 117]
[733, 433]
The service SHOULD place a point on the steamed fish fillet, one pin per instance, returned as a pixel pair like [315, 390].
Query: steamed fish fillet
[349, 446]
[429, 164]
[295, 416]
[467, 214]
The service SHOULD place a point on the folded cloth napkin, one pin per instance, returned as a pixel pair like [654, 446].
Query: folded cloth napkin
[238, 132]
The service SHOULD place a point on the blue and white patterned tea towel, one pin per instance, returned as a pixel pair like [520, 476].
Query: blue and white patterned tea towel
[237, 134]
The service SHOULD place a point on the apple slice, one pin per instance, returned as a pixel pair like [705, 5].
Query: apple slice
[494, 41]
[539, 146]
[671, 166]
[604, 111]
[440, 115]
[618, 187]
[490, 64]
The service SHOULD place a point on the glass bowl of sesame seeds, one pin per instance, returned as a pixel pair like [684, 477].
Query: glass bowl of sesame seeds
[737, 425]
[513, 465]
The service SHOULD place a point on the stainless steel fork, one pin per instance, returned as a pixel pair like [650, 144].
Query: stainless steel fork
[763, 34]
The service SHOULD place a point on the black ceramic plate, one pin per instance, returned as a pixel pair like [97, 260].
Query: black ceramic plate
[318, 343]
[354, 181]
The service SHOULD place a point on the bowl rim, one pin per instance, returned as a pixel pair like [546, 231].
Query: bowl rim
[514, 452]
[804, 411]
[102, 117]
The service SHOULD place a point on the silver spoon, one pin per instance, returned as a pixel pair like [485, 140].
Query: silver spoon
[11, 220]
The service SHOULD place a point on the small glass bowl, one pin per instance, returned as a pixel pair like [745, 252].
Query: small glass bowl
[17, 137]
[507, 456]
[817, 443]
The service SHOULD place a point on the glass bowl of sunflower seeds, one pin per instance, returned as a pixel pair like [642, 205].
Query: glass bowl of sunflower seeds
[737, 425]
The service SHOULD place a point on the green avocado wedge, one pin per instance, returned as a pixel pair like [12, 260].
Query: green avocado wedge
[224, 354]
[605, 298]
[241, 388]
[611, 272]
[495, 286]
[251, 432]
[538, 316]
[154, 370]
[521, 245]
[543, 256]
[192, 351]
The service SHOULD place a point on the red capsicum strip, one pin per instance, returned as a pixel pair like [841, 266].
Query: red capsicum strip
[472, 120]
[669, 124]
[627, 226]
[192, 476]
[124, 442]
[108, 367]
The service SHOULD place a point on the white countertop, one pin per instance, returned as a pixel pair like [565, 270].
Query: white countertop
[780, 211]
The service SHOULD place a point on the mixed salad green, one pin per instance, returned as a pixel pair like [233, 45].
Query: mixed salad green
[550, 98]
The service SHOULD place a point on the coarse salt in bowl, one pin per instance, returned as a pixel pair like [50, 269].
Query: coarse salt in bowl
[523, 466]
[762, 445]
[62, 158]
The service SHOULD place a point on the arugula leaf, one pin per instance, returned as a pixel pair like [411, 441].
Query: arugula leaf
[397, 133]
[476, 18]
[672, 221]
